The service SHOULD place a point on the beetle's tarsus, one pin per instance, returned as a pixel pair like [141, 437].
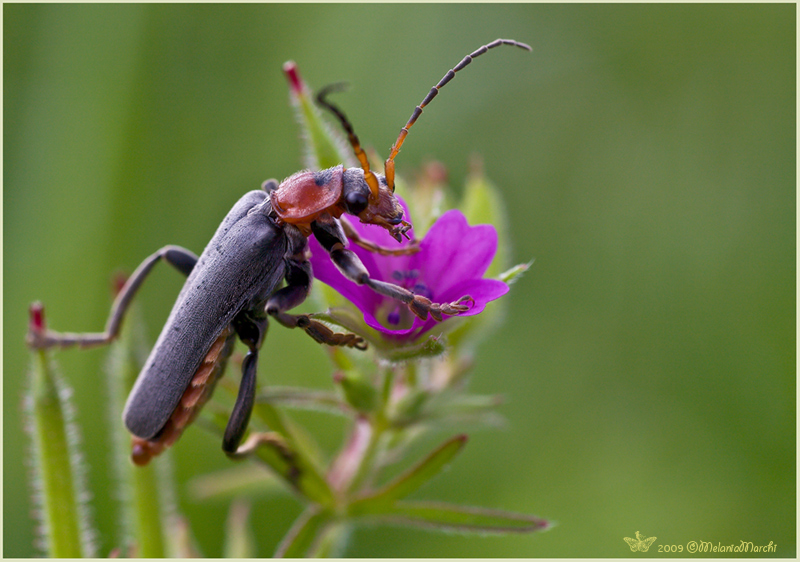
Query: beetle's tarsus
[422, 306]
[319, 332]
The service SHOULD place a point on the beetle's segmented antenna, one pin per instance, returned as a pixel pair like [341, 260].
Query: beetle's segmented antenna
[370, 178]
[389, 165]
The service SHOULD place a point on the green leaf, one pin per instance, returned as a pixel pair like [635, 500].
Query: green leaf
[457, 408]
[410, 481]
[462, 519]
[238, 480]
[291, 466]
[302, 537]
[304, 398]
[58, 471]
[331, 541]
[287, 449]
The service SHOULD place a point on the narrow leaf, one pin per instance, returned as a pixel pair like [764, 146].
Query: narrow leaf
[303, 398]
[289, 465]
[301, 538]
[283, 450]
[331, 541]
[239, 539]
[463, 519]
[410, 481]
[238, 480]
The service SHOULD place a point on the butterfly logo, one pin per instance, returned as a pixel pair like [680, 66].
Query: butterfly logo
[640, 543]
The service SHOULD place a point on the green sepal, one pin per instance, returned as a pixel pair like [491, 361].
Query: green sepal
[428, 198]
[409, 408]
[323, 148]
[482, 203]
[432, 346]
[515, 273]
[359, 393]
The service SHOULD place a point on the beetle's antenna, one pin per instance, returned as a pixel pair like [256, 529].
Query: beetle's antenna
[370, 178]
[389, 165]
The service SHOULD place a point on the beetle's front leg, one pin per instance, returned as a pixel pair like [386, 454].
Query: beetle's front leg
[180, 258]
[298, 279]
[355, 238]
[350, 265]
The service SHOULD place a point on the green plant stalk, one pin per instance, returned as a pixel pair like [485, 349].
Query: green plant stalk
[55, 461]
[379, 423]
[331, 541]
[239, 539]
[144, 508]
[147, 522]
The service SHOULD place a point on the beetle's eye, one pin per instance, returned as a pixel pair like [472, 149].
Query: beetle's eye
[356, 202]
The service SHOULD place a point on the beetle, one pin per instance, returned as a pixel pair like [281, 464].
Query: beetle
[237, 283]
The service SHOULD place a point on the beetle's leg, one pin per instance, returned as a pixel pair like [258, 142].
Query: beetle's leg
[329, 234]
[351, 267]
[298, 284]
[251, 329]
[355, 238]
[182, 259]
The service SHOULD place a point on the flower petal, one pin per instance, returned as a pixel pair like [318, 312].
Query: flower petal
[481, 290]
[453, 251]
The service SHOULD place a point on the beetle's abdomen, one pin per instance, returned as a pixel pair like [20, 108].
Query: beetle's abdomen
[196, 395]
[303, 196]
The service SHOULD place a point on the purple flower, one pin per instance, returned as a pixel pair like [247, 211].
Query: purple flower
[450, 264]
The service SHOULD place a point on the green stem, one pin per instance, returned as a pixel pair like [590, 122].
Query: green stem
[56, 463]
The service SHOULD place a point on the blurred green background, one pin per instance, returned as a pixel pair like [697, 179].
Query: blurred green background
[647, 156]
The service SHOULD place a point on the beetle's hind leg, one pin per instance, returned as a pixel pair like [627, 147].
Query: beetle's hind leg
[180, 258]
[298, 281]
[251, 329]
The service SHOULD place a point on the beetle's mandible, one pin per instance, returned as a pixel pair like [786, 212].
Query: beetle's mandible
[237, 283]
